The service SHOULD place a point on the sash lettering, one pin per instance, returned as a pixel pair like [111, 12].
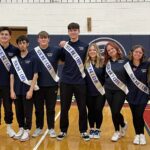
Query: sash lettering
[95, 80]
[138, 83]
[76, 57]
[115, 79]
[21, 73]
[4, 59]
[46, 63]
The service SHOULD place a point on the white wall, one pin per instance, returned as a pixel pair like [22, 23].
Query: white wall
[107, 18]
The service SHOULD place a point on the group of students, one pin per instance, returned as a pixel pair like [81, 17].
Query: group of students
[30, 77]
[114, 78]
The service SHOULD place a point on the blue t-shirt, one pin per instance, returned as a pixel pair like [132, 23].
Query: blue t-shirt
[118, 68]
[29, 66]
[91, 89]
[53, 54]
[10, 51]
[71, 73]
[135, 95]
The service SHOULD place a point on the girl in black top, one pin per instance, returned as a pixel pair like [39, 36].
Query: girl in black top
[95, 93]
[138, 93]
[116, 90]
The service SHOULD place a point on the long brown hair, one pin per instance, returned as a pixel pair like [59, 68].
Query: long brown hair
[130, 56]
[99, 59]
[115, 46]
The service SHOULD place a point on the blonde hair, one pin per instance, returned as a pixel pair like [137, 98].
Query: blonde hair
[99, 61]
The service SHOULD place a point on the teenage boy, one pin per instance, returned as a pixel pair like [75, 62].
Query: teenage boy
[48, 57]
[72, 82]
[7, 51]
[23, 80]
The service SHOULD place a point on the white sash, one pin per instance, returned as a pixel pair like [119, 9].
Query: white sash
[138, 83]
[115, 79]
[21, 73]
[76, 57]
[95, 80]
[4, 59]
[46, 63]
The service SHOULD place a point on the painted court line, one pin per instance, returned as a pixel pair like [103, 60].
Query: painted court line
[44, 135]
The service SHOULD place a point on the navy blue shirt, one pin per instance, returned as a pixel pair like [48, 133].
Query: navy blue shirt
[53, 54]
[135, 95]
[71, 73]
[91, 89]
[118, 68]
[29, 66]
[10, 51]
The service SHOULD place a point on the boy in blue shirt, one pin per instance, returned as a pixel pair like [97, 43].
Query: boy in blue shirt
[7, 51]
[48, 57]
[23, 80]
[72, 81]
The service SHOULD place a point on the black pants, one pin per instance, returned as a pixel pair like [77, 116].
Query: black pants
[24, 108]
[137, 114]
[95, 106]
[7, 103]
[66, 93]
[49, 96]
[116, 100]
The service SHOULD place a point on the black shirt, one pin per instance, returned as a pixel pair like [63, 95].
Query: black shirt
[135, 95]
[29, 66]
[10, 51]
[53, 54]
[118, 68]
[71, 73]
[100, 73]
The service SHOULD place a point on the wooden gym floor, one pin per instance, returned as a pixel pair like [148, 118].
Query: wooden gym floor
[73, 140]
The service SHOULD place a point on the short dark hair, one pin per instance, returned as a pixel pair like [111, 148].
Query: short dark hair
[73, 25]
[5, 28]
[43, 34]
[22, 38]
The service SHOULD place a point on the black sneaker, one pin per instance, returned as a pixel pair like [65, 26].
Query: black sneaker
[61, 136]
[85, 136]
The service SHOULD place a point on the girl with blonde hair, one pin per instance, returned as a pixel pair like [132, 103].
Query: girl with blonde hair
[95, 91]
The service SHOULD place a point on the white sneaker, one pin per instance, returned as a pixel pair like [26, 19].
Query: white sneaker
[52, 133]
[19, 134]
[10, 131]
[136, 139]
[25, 136]
[142, 139]
[37, 132]
[85, 136]
[116, 136]
[124, 129]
